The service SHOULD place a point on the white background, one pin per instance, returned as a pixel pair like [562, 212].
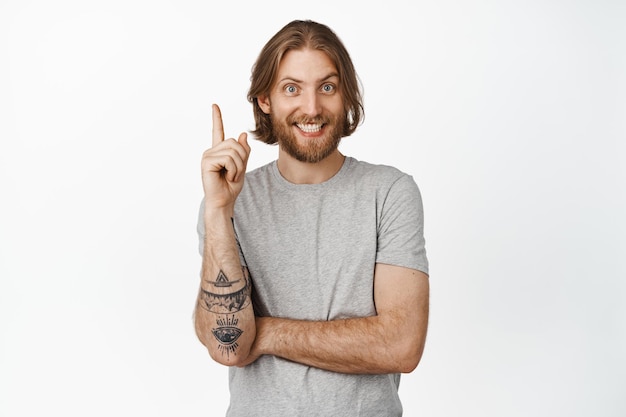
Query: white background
[510, 115]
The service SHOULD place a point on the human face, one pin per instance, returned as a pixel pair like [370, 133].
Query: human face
[306, 106]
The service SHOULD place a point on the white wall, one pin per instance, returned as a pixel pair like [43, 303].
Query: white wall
[509, 114]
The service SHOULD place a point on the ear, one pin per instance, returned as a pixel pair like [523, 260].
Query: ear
[264, 103]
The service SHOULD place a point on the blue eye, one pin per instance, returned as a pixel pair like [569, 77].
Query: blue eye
[291, 89]
[328, 88]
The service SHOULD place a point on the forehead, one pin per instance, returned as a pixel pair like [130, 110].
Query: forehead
[306, 65]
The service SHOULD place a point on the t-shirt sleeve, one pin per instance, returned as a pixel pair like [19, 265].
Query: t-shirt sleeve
[401, 227]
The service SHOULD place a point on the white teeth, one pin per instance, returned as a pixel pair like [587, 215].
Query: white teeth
[309, 128]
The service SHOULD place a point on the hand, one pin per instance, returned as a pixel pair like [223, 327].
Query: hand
[224, 166]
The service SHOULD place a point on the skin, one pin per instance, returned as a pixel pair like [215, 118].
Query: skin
[390, 342]
[224, 317]
[307, 89]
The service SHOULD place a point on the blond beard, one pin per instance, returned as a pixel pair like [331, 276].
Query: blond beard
[317, 149]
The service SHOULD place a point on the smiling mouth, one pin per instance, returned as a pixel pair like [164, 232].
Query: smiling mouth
[310, 127]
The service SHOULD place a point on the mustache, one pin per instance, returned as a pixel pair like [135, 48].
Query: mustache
[308, 120]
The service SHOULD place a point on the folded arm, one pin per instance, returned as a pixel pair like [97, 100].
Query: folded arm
[390, 342]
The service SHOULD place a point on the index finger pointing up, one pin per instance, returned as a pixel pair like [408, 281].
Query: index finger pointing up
[218, 127]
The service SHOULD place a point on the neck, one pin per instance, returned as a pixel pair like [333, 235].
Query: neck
[298, 172]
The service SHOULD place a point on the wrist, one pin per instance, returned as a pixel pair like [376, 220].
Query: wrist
[218, 221]
[223, 212]
[263, 338]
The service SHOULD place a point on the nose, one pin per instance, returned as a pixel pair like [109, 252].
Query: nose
[311, 104]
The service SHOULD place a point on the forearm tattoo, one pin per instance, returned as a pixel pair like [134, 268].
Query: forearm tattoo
[226, 297]
[227, 334]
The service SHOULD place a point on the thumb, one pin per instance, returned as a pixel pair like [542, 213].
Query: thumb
[243, 141]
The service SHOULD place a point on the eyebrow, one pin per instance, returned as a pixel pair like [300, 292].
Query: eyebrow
[295, 80]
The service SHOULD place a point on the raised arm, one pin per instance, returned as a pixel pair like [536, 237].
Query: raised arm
[390, 342]
[224, 318]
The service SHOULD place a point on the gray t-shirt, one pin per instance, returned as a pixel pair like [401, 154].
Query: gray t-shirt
[311, 250]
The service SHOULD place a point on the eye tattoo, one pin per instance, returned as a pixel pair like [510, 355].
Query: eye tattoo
[227, 335]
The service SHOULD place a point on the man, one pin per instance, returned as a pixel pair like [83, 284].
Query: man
[314, 277]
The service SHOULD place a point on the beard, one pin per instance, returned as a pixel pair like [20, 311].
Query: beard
[315, 149]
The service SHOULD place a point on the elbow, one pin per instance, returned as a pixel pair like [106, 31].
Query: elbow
[228, 354]
[219, 353]
[226, 349]
[409, 356]
[409, 363]
[221, 356]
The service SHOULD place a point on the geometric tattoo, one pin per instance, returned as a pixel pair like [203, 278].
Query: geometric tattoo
[223, 296]
[227, 335]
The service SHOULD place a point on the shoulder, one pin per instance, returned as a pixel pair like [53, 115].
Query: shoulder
[375, 170]
[379, 175]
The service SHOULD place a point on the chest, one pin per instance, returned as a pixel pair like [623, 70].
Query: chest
[311, 257]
